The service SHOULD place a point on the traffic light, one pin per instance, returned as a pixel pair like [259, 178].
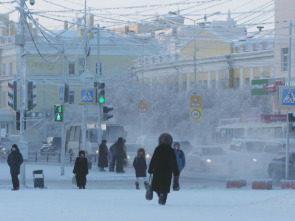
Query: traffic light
[66, 93]
[100, 92]
[17, 121]
[106, 114]
[291, 120]
[58, 112]
[31, 95]
[12, 94]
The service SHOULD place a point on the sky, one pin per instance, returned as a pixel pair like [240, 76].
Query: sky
[113, 13]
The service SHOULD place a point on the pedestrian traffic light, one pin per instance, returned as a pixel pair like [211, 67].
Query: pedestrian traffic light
[12, 94]
[291, 120]
[106, 114]
[31, 96]
[58, 112]
[66, 93]
[100, 92]
[17, 121]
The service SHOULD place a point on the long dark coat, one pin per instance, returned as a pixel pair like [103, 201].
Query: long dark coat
[103, 155]
[81, 166]
[14, 160]
[162, 165]
[140, 166]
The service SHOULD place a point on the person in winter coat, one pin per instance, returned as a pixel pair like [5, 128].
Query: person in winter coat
[81, 169]
[14, 160]
[120, 155]
[103, 156]
[162, 165]
[140, 167]
[111, 160]
[180, 159]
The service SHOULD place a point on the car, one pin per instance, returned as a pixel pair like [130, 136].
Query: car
[149, 143]
[185, 145]
[207, 158]
[5, 145]
[255, 154]
[276, 167]
[53, 145]
[131, 149]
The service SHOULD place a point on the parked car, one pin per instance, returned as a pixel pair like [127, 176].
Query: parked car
[255, 154]
[276, 167]
[131, 149]
[207, 158]
[52, 145]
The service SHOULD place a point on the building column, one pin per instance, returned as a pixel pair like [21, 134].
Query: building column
[217, 79]
[251, 75]
[188, 81]
[241, 77]
[209, 79]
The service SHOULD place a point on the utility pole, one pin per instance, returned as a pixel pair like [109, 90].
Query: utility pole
[289, 84]
[142, 90]
[23, 88]
[63, 148]
[97, 76]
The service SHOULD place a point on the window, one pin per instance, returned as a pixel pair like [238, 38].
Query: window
[71, 97]
[10, 68]
[273, 148]
[71, 68]
[3, 69]
[284, 59]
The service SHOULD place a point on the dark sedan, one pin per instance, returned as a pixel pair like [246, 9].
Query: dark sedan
[276, 167]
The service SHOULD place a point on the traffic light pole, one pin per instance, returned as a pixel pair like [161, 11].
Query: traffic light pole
[97, 75]
[23, 89]
[63, 146]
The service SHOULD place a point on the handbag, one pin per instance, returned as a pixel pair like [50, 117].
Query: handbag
[74, 180]
[149, 190]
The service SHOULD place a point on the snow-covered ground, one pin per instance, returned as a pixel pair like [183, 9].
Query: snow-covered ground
[118, 204]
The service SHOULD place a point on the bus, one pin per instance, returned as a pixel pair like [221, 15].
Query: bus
[73, 141]
[243, 127]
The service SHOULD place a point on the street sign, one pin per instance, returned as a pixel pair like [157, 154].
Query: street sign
[87, 96]
[142, 107]
[286, 97]
[196, 113]
[61, 93]
[195, 101]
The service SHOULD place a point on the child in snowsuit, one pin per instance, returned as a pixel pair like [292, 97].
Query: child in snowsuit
[140, 167]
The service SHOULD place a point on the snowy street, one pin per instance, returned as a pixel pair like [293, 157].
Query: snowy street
[119, 204]
[111, 196]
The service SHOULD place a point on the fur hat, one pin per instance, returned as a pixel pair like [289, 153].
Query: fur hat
[81, 152]
[165, 138]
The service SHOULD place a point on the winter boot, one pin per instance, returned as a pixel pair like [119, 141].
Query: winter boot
[137, 185]
[162, 199]
[146, 185]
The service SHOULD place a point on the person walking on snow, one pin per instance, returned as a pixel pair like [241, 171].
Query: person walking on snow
[14, 160]
[140, 167]
[81, 169]
[162, 165]
[103, 156]
[180, 159]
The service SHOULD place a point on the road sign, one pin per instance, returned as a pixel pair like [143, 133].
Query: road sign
[61, 93]
[286, 97]
[196, 113]
[195, 101]
[142, 107]
[87, 96]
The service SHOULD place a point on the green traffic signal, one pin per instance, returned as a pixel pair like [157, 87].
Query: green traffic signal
[101, 100]
[59, 109]
[58, 117]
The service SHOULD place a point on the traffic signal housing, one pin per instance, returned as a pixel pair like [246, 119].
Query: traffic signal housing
[31, 95]
[291, 120]
[12, 94]
[100, 92]
[106, 114]
[58, 112]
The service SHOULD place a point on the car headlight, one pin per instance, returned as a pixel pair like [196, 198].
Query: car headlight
[96, 151]
[128, 157]
[254, 160]
[208, 160]
[147, 156]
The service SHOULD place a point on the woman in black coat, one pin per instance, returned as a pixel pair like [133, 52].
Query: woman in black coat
[14, 160]
[120, 155]
[103, 156]
[140, 167]
[81, 169]
[162, 165]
